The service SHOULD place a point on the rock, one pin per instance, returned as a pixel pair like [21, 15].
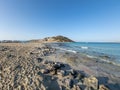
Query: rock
[58, 65]
[91, 82]
[42, 87]
[80, 76]
[4, 49]
[61, 72]
[10, 56]
[69, 83]
[45, 62]
[73, 73]
[31, 53]
[39, 60]
[76, 87]
[45, 71]
[75, 81]
[103, 87]
[1, 67]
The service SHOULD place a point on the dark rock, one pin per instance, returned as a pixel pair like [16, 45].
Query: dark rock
[74, 73]
[1, 67]
[10, 56]
[22, 87]
[39, 60]
[45, 71]
[4, 49]
[31, 53]
[57, 66]
[80, 76]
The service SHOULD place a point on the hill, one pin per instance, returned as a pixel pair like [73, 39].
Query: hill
[53, 39]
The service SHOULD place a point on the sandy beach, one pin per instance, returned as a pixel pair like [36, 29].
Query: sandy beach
[39, 66]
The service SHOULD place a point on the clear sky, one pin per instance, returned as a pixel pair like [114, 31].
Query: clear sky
[80, 20]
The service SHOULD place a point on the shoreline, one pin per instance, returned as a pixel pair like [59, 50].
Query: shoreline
[25, 61]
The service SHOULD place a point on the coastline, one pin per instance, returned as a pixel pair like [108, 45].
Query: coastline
[28, 59]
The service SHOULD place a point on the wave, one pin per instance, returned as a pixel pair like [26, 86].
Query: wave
[83, 47]
[73, 51]
[104, 60]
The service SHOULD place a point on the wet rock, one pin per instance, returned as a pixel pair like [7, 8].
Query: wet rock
[103, 87]
[91, 82]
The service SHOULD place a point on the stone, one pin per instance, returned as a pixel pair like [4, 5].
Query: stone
[45, 71]
[103, 87]
[76, 87]
[39, 60]
[61, 72]
[69, 83]
[80, 76]
[91, 82]
[73, 73]
[42, 87]
[46, 62]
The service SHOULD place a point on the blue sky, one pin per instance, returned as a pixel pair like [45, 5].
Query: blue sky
[80, 20]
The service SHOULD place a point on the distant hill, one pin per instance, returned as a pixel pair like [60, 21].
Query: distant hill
[53, 39]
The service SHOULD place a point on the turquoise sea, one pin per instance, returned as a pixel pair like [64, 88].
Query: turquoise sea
[109, 52]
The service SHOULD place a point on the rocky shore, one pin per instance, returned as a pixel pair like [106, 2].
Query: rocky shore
[38, 66]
